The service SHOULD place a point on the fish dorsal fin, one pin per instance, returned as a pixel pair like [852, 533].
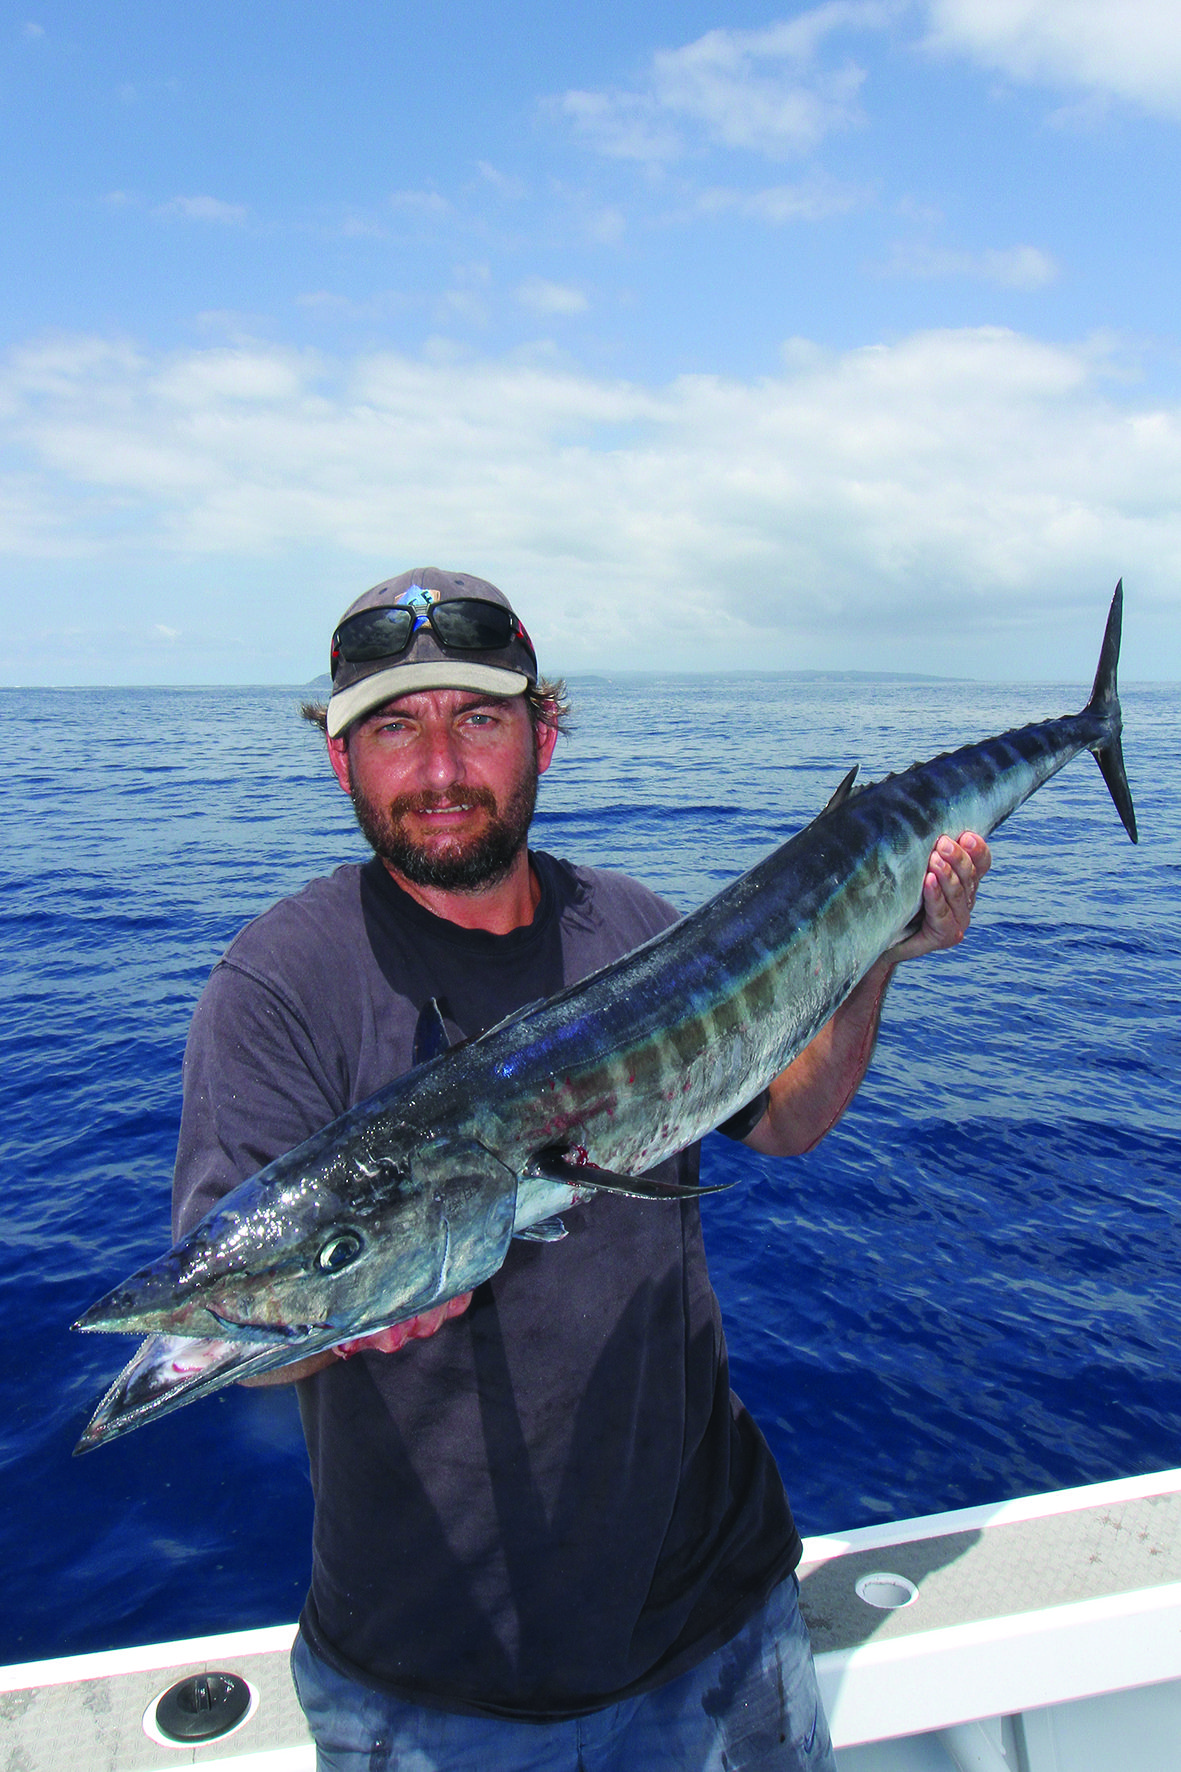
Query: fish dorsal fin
[843, 790]
[553, 1166]
[431, 1039]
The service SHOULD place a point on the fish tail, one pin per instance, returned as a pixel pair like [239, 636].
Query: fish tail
[1104, 703]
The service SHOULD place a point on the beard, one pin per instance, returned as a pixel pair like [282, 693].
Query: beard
[461, 864]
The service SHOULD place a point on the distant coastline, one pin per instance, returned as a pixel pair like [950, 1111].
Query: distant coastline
[755, 671]
[325, 681]
[322, 684]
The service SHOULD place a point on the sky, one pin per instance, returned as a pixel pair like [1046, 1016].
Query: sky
[761, 337]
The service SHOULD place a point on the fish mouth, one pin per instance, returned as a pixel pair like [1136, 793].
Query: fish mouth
[262, 1331]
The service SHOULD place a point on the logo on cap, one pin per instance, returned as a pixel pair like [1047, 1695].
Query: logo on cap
[418, 598]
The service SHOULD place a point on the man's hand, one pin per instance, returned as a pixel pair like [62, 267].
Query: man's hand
[954, 873]
[388, 1341]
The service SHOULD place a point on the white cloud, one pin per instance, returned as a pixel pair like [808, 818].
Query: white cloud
[419, 202]
[379, 306]
[551, 298]
[810, 200]
[1124, 49]
[760, 90]
[253, 374]
[606, 226]
[33, 31]
[206, 209]
[624, 125]
[467, 299]
[1013, 267]
[905, 504]
[464, 305]
[506, 185]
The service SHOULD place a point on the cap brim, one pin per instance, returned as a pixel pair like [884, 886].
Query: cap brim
[361, 698]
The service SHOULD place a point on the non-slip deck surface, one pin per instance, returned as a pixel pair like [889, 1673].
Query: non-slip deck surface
[997, 1571]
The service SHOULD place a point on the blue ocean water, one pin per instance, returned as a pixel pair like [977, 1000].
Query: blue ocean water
[970, 1291]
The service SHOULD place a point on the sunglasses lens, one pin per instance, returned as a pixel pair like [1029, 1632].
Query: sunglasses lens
[466, 623]
[471, 625]
[374, 633]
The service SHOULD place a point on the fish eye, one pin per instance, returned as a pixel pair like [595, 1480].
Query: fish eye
[339, 1251]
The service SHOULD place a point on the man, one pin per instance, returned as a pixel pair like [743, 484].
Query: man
[546, 1534]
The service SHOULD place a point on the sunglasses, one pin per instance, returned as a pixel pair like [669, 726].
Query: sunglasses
[463, 624]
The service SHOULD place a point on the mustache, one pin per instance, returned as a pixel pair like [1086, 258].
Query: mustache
[480, 797]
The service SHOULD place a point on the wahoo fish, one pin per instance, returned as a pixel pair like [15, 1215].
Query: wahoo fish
[413, 1196]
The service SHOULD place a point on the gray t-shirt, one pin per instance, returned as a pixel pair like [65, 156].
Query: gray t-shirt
[556, 1500]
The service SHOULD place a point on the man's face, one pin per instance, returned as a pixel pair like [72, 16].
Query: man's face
[444, 783]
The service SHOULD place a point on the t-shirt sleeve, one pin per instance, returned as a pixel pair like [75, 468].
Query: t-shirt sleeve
[255, 1085]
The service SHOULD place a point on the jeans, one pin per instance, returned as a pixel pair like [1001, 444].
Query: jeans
[751, 1706]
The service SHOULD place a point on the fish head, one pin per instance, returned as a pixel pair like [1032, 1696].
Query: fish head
[336, 1247]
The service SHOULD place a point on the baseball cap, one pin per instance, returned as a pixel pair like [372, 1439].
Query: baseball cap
[366, 673]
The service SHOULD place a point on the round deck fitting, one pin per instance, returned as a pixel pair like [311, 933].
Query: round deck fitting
[202, 1707]
[886, 1591]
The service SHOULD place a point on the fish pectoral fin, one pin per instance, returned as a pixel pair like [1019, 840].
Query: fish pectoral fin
[553, 1166]
[431, 1038]
[546, 1230]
